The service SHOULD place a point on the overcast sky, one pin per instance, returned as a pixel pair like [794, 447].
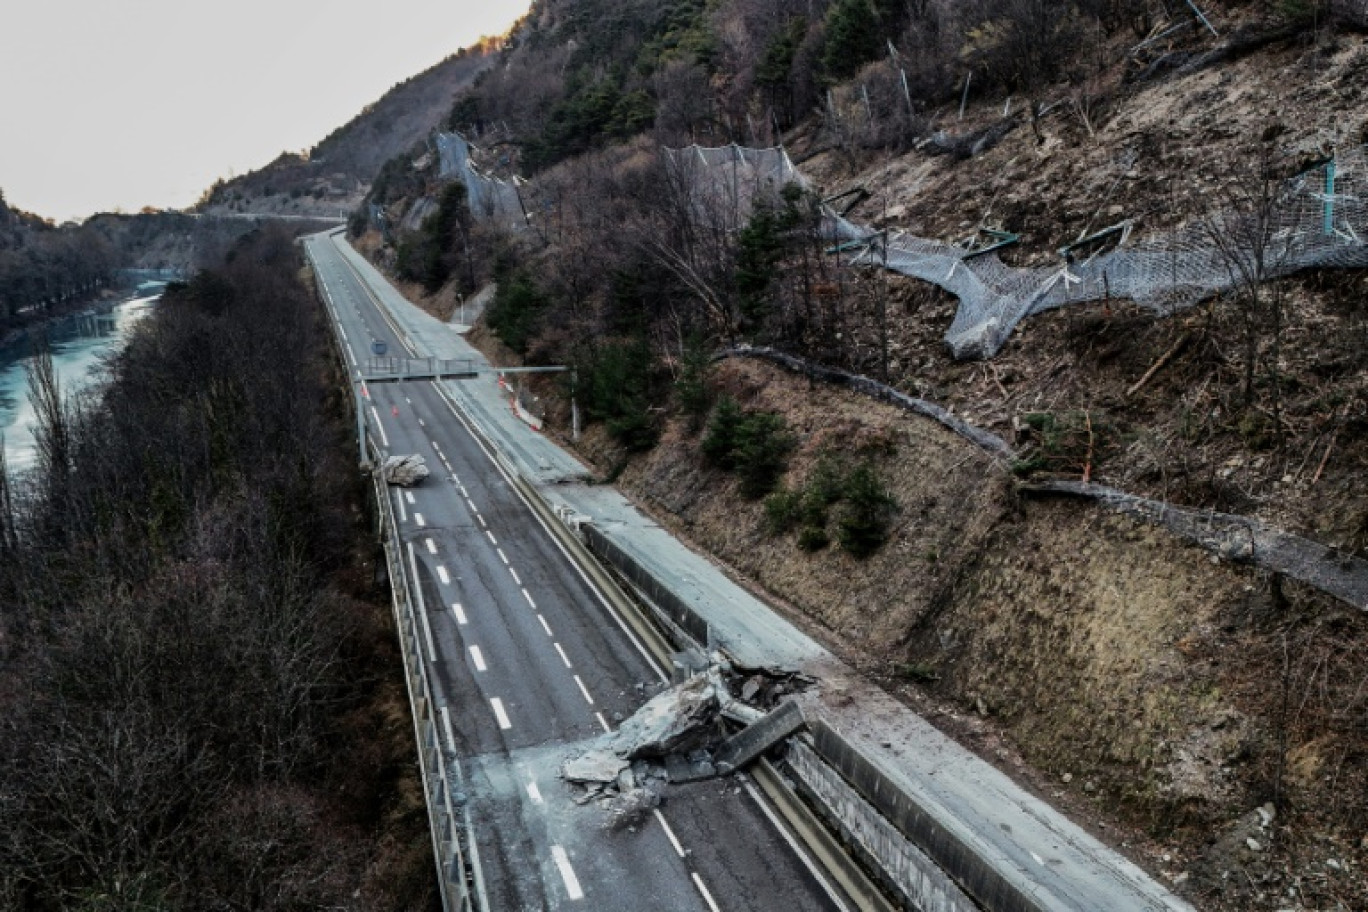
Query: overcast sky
[127, 103]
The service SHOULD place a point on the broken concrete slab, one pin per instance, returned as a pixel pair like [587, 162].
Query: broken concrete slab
[693, 768]
[675, 721]
[672, 721]
[594, 765]
[755, 739]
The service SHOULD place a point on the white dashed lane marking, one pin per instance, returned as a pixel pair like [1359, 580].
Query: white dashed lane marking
[545, 626]
[564, 658]
[431, 546]
[478, 658]
[527, 595]
[499, 713]
[707, 897]
[567, 873]
[674, 840]
[457, 610]
[584, 690]
[443, 575]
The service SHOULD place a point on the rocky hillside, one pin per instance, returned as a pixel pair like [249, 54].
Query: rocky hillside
[1202, 712]
[332, 178]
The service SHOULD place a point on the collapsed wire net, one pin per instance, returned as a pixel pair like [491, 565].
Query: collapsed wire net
[1315, 219]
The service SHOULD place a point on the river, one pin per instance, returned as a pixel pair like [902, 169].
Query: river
[81, 346]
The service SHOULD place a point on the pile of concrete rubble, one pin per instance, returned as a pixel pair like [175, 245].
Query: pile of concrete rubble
[679, 736]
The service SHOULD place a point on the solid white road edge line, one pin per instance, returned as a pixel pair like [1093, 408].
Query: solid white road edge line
[420, 609]
[379, 427]
[798, 850]
[446, 727]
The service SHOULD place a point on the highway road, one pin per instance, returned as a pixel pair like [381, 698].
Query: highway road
[528, 661]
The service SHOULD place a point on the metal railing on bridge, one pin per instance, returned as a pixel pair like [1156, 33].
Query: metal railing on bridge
[453, 846]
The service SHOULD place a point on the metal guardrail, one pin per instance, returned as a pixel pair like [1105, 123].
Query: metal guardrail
[443, 785]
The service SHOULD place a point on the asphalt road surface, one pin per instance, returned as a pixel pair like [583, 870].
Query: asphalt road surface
[527, 662]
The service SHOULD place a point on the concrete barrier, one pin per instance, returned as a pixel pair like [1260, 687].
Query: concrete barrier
[758, 737]
[905, 870]
[981, 880]
[676, 610]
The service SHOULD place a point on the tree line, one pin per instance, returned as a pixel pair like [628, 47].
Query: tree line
[194, 662]
[43, 265]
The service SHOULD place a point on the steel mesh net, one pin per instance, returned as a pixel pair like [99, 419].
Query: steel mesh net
[1316, 219]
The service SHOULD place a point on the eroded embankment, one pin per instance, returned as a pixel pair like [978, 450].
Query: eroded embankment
[1160, 689]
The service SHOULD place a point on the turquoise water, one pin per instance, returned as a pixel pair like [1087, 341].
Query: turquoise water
[81, 348]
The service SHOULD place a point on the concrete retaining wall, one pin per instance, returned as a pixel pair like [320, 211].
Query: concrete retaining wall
[906, 870]
[679, 613]
[950, 854]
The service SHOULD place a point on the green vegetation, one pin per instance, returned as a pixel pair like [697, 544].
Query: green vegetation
[1065, 442]
[442, 245]
[616, 383]
[692, 389]
[752, 445]
[513, 313]
[853, 38]
[774, 231]
[862, 506]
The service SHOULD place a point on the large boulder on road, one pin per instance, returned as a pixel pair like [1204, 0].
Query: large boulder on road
[405, 471]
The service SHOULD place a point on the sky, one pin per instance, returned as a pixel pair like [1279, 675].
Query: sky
[119, 105]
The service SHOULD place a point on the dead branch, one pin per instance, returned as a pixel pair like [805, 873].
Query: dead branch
[1158, 365]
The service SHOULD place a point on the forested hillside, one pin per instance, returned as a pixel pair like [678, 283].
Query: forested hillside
[43, 266]
[1207, 711]
[200, 706]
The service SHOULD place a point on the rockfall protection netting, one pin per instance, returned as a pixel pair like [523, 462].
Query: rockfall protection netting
[1315, 219]
[489, 197]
